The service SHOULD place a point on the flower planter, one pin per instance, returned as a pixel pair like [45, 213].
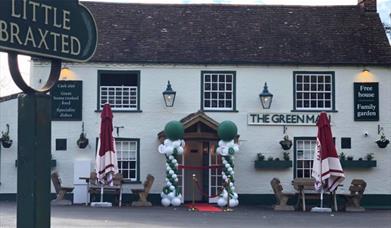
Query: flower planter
[6, 144]
[82, 143]
[272, 164]
[382, 143]
[53, 163]
[358, 163]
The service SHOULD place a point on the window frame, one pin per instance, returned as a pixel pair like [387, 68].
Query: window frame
[331, 109]
[127, 181]
[233, 109]
[295, 139]
[137, 140]
[118, 72]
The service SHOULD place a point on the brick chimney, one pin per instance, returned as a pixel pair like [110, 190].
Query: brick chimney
[368, 5]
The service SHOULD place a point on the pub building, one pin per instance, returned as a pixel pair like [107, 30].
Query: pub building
[269, 69]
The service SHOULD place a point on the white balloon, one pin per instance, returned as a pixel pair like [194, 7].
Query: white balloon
[233, 188]
[235, 195]
[166, 142]
[174, 176]
[176, 179]
[166, 202]
[176, 201]
[161, 149]
[230, 143]
[236, 148]
[232, 202]
[171, 157]
[221, 202]
[231, 184]
[168, 150]
[224, 194]
[163, 195]
[180, 150]
[176, 143]
[225, 151]
[183, 143]
[232, 172]
[230, 169]
[172, 188]
[171, 172]
[227, 166]
[171, 195]
[221, 143]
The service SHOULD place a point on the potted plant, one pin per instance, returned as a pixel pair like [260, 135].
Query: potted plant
[286, 156]
[369, 156]
[382, 142]
[350, 158]
[286, 143]
[82, 142]
[5, 138]
[342, 156]
[260, 157]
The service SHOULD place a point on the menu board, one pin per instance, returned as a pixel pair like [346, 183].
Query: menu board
[366, 101]
[67, 101]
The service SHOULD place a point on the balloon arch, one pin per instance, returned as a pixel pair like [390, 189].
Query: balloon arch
[174, 146]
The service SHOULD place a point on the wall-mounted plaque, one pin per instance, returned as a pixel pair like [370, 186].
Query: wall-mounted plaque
[366, 101]
[67, 101]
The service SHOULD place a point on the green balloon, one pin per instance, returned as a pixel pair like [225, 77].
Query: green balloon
[174, 130]
[227, 130]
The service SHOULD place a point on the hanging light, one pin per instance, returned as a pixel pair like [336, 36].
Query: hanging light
[266, 97]
[169, 95]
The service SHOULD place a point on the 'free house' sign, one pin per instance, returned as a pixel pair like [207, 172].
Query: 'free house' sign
[366, 101]
[61, 29]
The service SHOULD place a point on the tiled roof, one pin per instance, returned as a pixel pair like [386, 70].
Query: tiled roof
[238, 34]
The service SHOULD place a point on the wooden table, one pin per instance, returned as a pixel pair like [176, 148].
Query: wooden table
[306, 188]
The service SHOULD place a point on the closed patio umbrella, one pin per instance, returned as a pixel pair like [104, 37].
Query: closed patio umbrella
[106, 157]
[327, 169]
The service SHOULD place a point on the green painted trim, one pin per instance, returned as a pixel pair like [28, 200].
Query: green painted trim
[118, 72]
[233, 90]
[332, 92]
[358, 164]
[281, 164]
[294, 151]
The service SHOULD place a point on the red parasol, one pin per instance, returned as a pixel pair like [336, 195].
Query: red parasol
[327, 169]
[106, 158]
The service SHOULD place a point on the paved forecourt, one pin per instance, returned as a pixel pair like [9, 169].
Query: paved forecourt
[153, 217]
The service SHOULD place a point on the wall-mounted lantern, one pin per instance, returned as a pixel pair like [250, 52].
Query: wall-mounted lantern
[169, 95]
[266, 97]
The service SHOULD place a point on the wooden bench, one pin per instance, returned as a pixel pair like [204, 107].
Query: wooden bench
[94, 188]
[306, 190]
[60, 190]
[357, 188]
[282, 198]
[143, 193]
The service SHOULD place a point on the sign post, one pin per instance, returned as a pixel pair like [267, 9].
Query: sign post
[54, 29]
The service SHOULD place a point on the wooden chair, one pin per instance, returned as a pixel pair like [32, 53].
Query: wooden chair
[282, 198]
[94, 188]
[60, 191]
[143, 193]
[306, 190]
[357, 188]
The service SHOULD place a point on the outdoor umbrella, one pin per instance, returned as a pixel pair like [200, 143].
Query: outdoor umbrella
[106, 157]
[327, 169]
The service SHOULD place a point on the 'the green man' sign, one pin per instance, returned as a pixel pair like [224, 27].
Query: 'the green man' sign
[57, 29]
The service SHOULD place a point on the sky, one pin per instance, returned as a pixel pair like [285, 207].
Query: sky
[7, 86]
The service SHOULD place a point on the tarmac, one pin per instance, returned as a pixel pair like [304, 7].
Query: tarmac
[160, 217]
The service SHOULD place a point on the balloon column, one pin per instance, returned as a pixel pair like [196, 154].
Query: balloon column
[227, 131]
[172, 147]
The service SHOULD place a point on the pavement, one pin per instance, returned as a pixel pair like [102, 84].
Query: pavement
[160, 217]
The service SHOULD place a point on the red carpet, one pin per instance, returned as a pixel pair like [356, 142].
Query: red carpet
[204, 207]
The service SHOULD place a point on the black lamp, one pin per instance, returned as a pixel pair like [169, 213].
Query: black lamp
[266, 97]
[169, 95]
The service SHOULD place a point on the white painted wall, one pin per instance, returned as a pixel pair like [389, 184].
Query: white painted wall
[253, 139]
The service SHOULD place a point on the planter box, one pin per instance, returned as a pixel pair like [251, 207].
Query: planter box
[53, 163]
[358, 164]
[272, 164]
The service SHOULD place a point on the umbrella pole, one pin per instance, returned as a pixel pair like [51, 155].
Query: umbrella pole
[101, 193]
[321, 198]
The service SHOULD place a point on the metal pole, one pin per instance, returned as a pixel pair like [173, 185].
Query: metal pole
[193, 193]
[34, 143]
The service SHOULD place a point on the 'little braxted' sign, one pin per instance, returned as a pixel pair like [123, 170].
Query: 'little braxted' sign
[57, 29]
[366, 101]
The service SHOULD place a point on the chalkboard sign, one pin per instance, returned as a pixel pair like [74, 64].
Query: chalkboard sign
[366, 101]
[67, 101]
